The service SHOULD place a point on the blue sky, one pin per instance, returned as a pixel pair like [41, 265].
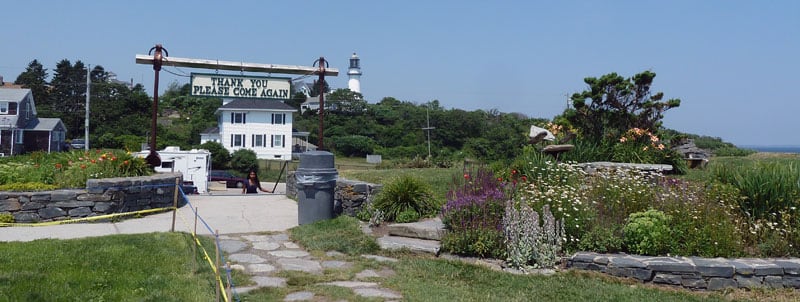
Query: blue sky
[734, 64]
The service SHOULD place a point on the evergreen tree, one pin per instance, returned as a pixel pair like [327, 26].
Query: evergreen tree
[35, 78]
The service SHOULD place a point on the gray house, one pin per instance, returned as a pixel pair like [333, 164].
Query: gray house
[21, 131]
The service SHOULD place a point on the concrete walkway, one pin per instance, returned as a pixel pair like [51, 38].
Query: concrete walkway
[228, 211]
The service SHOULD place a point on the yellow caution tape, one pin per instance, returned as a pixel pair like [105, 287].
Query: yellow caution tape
[49, 223]
[214, 268]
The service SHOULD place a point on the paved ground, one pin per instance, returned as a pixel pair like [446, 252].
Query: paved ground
[226, 210]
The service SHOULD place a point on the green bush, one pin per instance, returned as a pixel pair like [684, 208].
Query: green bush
[769, 188]
[6, 218]
[70, 169]
[602, 239]
[27, 187]
[244, 160]
[475, 242]
[407, 216]
[220, 157]
[647, 233]
[405, 193]
[354, 145]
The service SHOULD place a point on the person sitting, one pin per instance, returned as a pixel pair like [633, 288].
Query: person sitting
[253, 185]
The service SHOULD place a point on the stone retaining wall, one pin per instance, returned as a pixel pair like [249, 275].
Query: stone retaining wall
[101, 196]
[694, 272]
[348, 196]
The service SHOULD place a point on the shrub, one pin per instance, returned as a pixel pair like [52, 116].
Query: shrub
[70, 169]
[602, 239]
[407, 216]
[220, 157]
[647, 233]
[27, 187]
[354, 145]
[479, 242]
[244, 160]
[402, 194]
[473, 216]
[705, 220]
[768, 187]
[6, 218]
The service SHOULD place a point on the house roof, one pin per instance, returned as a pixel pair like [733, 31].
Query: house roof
[8, 121]
[13, 94]
[249, 104]
[43, 124]
[211, 130]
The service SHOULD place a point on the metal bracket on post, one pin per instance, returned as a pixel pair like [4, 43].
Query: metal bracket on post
[153, 159]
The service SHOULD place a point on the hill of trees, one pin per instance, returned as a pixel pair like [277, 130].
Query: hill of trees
[120, 117]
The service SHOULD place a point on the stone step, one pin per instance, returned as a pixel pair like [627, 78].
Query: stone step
[389, 242]
[430, 229]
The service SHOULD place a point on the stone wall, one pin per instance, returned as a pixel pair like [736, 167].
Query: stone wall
[101, 196]
[693, 272]
[349, 195]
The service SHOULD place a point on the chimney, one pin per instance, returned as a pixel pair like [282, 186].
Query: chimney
[1, 81]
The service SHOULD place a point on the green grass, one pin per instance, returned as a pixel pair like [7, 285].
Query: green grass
[342, 234]
[439, 179]
[144, 267]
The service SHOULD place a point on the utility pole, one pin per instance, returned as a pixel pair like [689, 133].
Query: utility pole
[428, 128]
[321, 112]
[86, 122]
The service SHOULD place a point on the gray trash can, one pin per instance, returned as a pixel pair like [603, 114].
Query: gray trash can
[316, 180]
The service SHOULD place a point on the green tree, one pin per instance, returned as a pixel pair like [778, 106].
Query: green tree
[243, 160]
[220, 157]
[35, 78]
[614, 104]
[68, 95]
[347, 101]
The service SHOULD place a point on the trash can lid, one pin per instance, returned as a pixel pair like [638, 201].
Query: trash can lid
[314, 160]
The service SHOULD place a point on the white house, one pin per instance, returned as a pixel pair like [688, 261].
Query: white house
[262, 125]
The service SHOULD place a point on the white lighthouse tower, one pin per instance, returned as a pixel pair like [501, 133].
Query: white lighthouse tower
[354, 83]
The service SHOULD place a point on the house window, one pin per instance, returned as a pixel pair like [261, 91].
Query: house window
[279, 118]
[237, 140]
[238, 118]
[18, 136]
[259, 140]
[278, 141]
[3, 107]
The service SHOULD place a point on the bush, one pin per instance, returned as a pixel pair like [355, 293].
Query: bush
[402, 194]
[602, 239]
[475, 242]
[220, 157]
[6, 218]
[244, 160]
[70, 169]
[354, 145]
[647, 233]
[27, 187]
[473, 216]
[407, 216]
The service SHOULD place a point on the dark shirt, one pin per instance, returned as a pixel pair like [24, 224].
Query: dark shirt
[251, 188]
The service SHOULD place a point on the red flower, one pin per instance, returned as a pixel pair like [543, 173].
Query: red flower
[513, 172]
[113, 158]
[524, 178]
[125, 162]
[466, 175]
[499, 179]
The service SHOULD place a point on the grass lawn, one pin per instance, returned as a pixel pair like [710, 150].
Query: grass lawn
[145, 267]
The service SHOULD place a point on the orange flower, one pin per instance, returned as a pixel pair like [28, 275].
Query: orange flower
[113, 158]
[125, 162]
[660, 146]
[93, 161]
[83, 166]
[58, 166]
[623, 139]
